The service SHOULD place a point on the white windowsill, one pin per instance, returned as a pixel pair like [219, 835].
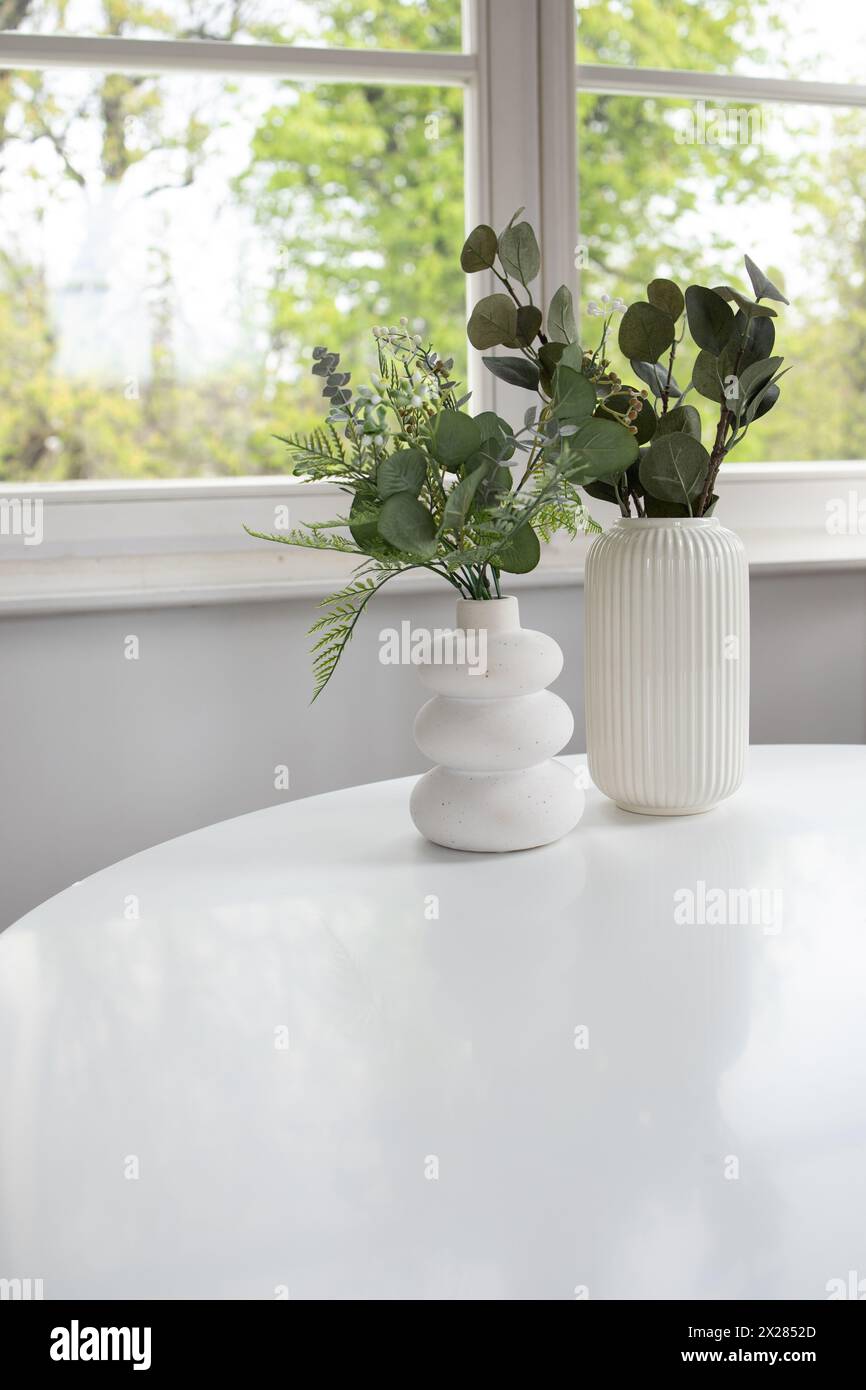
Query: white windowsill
[143, 545]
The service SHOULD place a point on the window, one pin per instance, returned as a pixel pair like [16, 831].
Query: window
[196, 192]
[173, 243]
[680, 175]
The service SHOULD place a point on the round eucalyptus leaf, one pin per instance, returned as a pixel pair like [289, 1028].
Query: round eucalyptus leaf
[528, 323]
[404, 471]
[561, 327]
[573, 395]
[407, 525]
[706, 377]
[600, 449]
[675, 468]
[493, 322]
[455, 437]
[682, 419]
[479, 250]
[518, 252]
[645, 332]
[520, 554]
[711, 322]
[664, 294]
[497, 436]
[755, 339]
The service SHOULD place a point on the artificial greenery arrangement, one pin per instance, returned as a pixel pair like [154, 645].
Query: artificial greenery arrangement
[469, 497]
[673, 473]
[433, 487]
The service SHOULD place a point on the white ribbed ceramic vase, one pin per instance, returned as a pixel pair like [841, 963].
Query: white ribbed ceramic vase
[667, 664]
[493, 727]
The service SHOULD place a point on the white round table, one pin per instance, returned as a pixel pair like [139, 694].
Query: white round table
[306, 1054]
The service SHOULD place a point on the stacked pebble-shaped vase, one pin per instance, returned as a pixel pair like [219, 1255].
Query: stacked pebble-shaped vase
[493, 727]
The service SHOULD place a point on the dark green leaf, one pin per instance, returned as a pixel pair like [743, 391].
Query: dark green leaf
[682, 419]
[549, 355]
[495, 482]
[497, 436]
[459, 501]
[528, 323]
[767, 401]
[764, 399]
[655, 506]
[493, 322]
[479, 250]
[455, 437]
[645, 332]
[518, 252]
[573, 395]
[404, 471]
[571, 356]
[675, 468]
[706, 377]
[755, 377]
[664, 294]
[561, 327]
[756, 338]
[749, 308]
[602, 492]
[655, 376]
[763, 287]
[520, 554]
[517, 371]
[600, 449]
[711, 322]
[407, 525]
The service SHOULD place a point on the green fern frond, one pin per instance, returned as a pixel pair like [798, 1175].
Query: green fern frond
[312, 538]
[337, 625]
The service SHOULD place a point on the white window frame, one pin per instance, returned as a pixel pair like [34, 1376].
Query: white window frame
[146, 544]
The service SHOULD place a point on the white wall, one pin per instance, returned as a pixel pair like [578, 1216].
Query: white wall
[101, 756]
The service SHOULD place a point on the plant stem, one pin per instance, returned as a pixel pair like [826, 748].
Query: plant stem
[667, 386]
[725, 418]
[504, 280]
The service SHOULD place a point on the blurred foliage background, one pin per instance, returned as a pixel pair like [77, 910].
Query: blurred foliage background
[341, 206]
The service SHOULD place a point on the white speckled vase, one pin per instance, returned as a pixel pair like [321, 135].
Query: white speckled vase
[493, 726]
[667, 664]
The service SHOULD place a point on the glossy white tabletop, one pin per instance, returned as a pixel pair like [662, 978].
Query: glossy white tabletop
[555, 1084]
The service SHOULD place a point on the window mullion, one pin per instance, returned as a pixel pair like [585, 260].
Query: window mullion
[205, 55]
[670, 82]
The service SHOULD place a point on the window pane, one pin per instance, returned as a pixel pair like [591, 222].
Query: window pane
[815, 40]
[684, 189]
[432, 25]
[172, 248]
